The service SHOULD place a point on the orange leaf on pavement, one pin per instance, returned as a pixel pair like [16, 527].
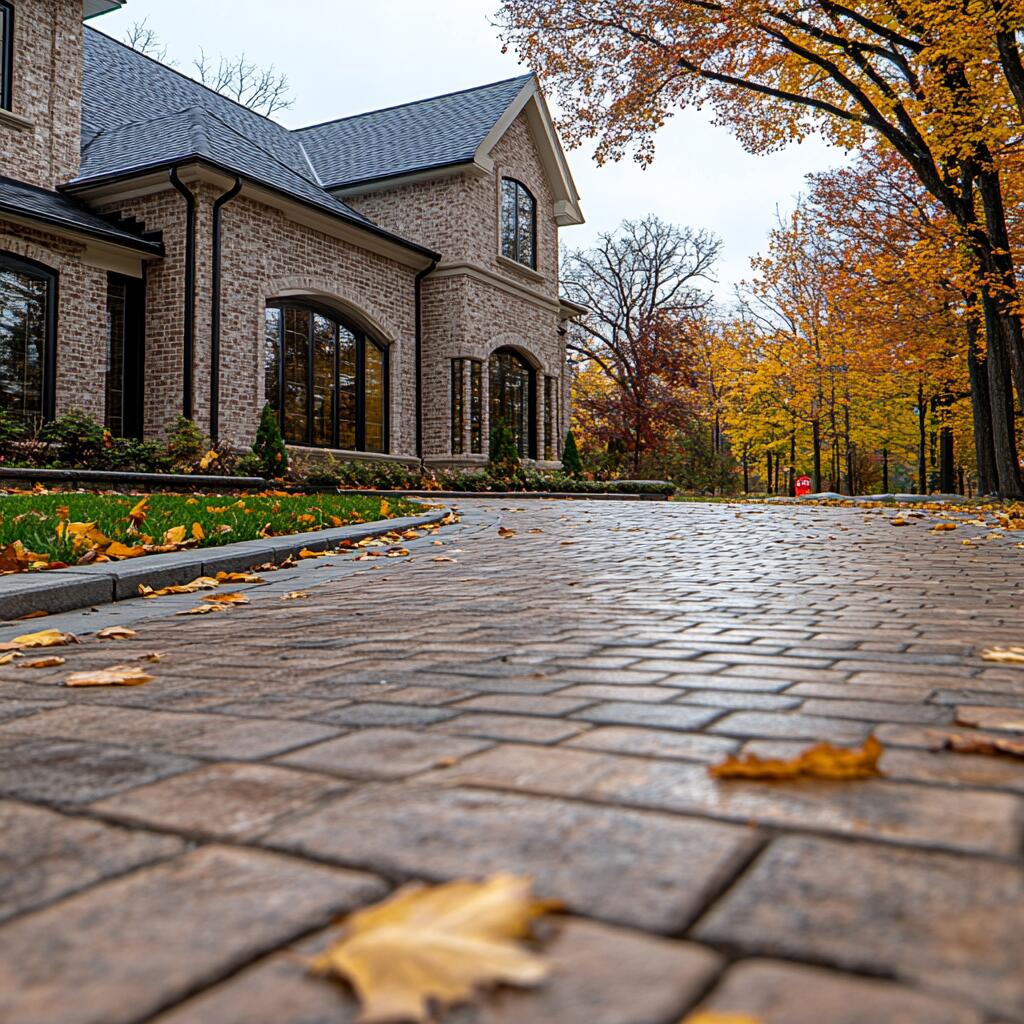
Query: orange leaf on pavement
[1004, 655]
[823, 761]
[238, 577]
[116, 675]
[204, 609]
[116, 633]
[234, 598]
[199, 583]
[46, 638]
[52, 662]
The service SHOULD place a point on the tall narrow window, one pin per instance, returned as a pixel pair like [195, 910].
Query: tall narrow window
[458, 394]
[551, 418]
[512, 398]
[115, 383]
[28, 305]
[326, 380]
[476, 406]
[518, 223]
[6, 55]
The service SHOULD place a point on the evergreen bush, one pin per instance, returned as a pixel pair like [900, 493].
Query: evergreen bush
[269, 445]
[571, 462]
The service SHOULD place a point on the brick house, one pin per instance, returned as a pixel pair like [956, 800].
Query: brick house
[388, 282]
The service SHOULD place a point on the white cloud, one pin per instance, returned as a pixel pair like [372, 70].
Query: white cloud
[346, 57]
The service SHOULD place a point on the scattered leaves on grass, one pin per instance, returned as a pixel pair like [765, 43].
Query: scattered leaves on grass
[1004, 655]
[238, 577]
[295, 595]
[116, 633]
[962, 743]
[52, 662]
[116, 675]
[234, 598]
[16, 558]
[46, 638]
[822, 761]
[204, 609]
[427, 946]
[200, 583]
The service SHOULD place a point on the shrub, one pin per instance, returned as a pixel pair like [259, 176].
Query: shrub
[186, 445]
[269, 445]
[128, 455]
[503, 457]
[571, 462]
[76, 439]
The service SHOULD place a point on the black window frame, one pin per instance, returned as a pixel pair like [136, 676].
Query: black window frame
[552, 426]
[516, 257]
[40, 271]
[362, 339]
[476, 406]
[7, 56]
[458, 407]
[134, 355]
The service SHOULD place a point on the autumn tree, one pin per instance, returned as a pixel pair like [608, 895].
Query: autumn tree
[938, 83]
[642, 288]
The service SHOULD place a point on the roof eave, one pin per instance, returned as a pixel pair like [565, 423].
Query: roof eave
[112, 237]
[94, 8]
[84, 184]
[405, 177]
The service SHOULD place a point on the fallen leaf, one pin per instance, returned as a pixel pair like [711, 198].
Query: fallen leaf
[1005, 655]
[121, 551]
[204, 609]
[425, 947]
[197, 532]
[962, 743]
[153, 656]
[207, 460]
[712, 1017]
[175, 535]
[306, 553]
[938, 527]
[52, 662]
[116, 675]
[116, 633]
[47, 638]
[385, 508]
[294, 595]
[238, 577]
[32, 615]
[984, 717]
[6, 659]
[442, 558]
[823, 761]
[226, 598]
[504, 531]
[200, 583]
[899, 522]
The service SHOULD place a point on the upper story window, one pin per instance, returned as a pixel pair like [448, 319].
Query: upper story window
[518, 223]
[326, 380]
[6, 54]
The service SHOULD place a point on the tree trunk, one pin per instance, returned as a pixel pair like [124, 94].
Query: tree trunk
[816, 441]
[768, 478]
[1000, 388]
[746, 473]
[981, 408]
[947, 466]
[792, 462]
[922, 437]
[885, 470]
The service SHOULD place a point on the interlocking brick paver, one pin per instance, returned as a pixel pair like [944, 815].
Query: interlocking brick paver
[941, 921]
[124, 949]
[652, 871]
[47, 855]
[547, 709]
[781, 993]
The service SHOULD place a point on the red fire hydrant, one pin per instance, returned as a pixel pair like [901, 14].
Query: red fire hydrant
[803, 486]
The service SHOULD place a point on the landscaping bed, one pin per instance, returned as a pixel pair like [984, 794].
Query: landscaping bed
[55, 530]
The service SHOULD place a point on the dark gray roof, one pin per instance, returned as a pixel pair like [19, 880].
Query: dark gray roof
[436, 132]
[138, 114]
[54, 208]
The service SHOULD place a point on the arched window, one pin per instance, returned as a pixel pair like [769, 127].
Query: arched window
[326, 379]
[518, 223]
[28, 332]
[513, 398]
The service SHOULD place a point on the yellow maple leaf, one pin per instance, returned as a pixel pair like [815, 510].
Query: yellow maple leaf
[1005, 655]
[116, 633]
[208, 460]
[823, 761]
[385, 508]
[175, 535]
[138, 513]
[437, 945]
[204, 609]
[116, 675]
[46, 638]
[197, 532]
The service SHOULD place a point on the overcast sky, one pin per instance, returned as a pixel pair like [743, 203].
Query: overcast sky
[348, 56]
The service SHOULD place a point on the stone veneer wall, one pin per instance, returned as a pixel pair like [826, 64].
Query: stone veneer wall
[463, 315]
[47, 92]
[81, 315]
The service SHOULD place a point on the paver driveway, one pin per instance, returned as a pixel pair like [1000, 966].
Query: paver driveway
[545, 703]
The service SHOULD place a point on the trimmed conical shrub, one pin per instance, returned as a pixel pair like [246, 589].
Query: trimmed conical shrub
[571, 462]
[269, 445]
[503, 457]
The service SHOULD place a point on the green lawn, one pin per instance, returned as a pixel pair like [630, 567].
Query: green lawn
[66, 527]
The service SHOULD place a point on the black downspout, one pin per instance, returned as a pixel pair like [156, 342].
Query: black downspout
[419, 358]
[215, 277]
[188, 348]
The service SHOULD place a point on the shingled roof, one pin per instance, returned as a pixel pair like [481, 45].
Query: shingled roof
[432, 133]
[139, 115]
[41, 204]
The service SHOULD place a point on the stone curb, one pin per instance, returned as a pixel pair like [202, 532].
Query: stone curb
[504, 495]
[96, 477]
[65, 590]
